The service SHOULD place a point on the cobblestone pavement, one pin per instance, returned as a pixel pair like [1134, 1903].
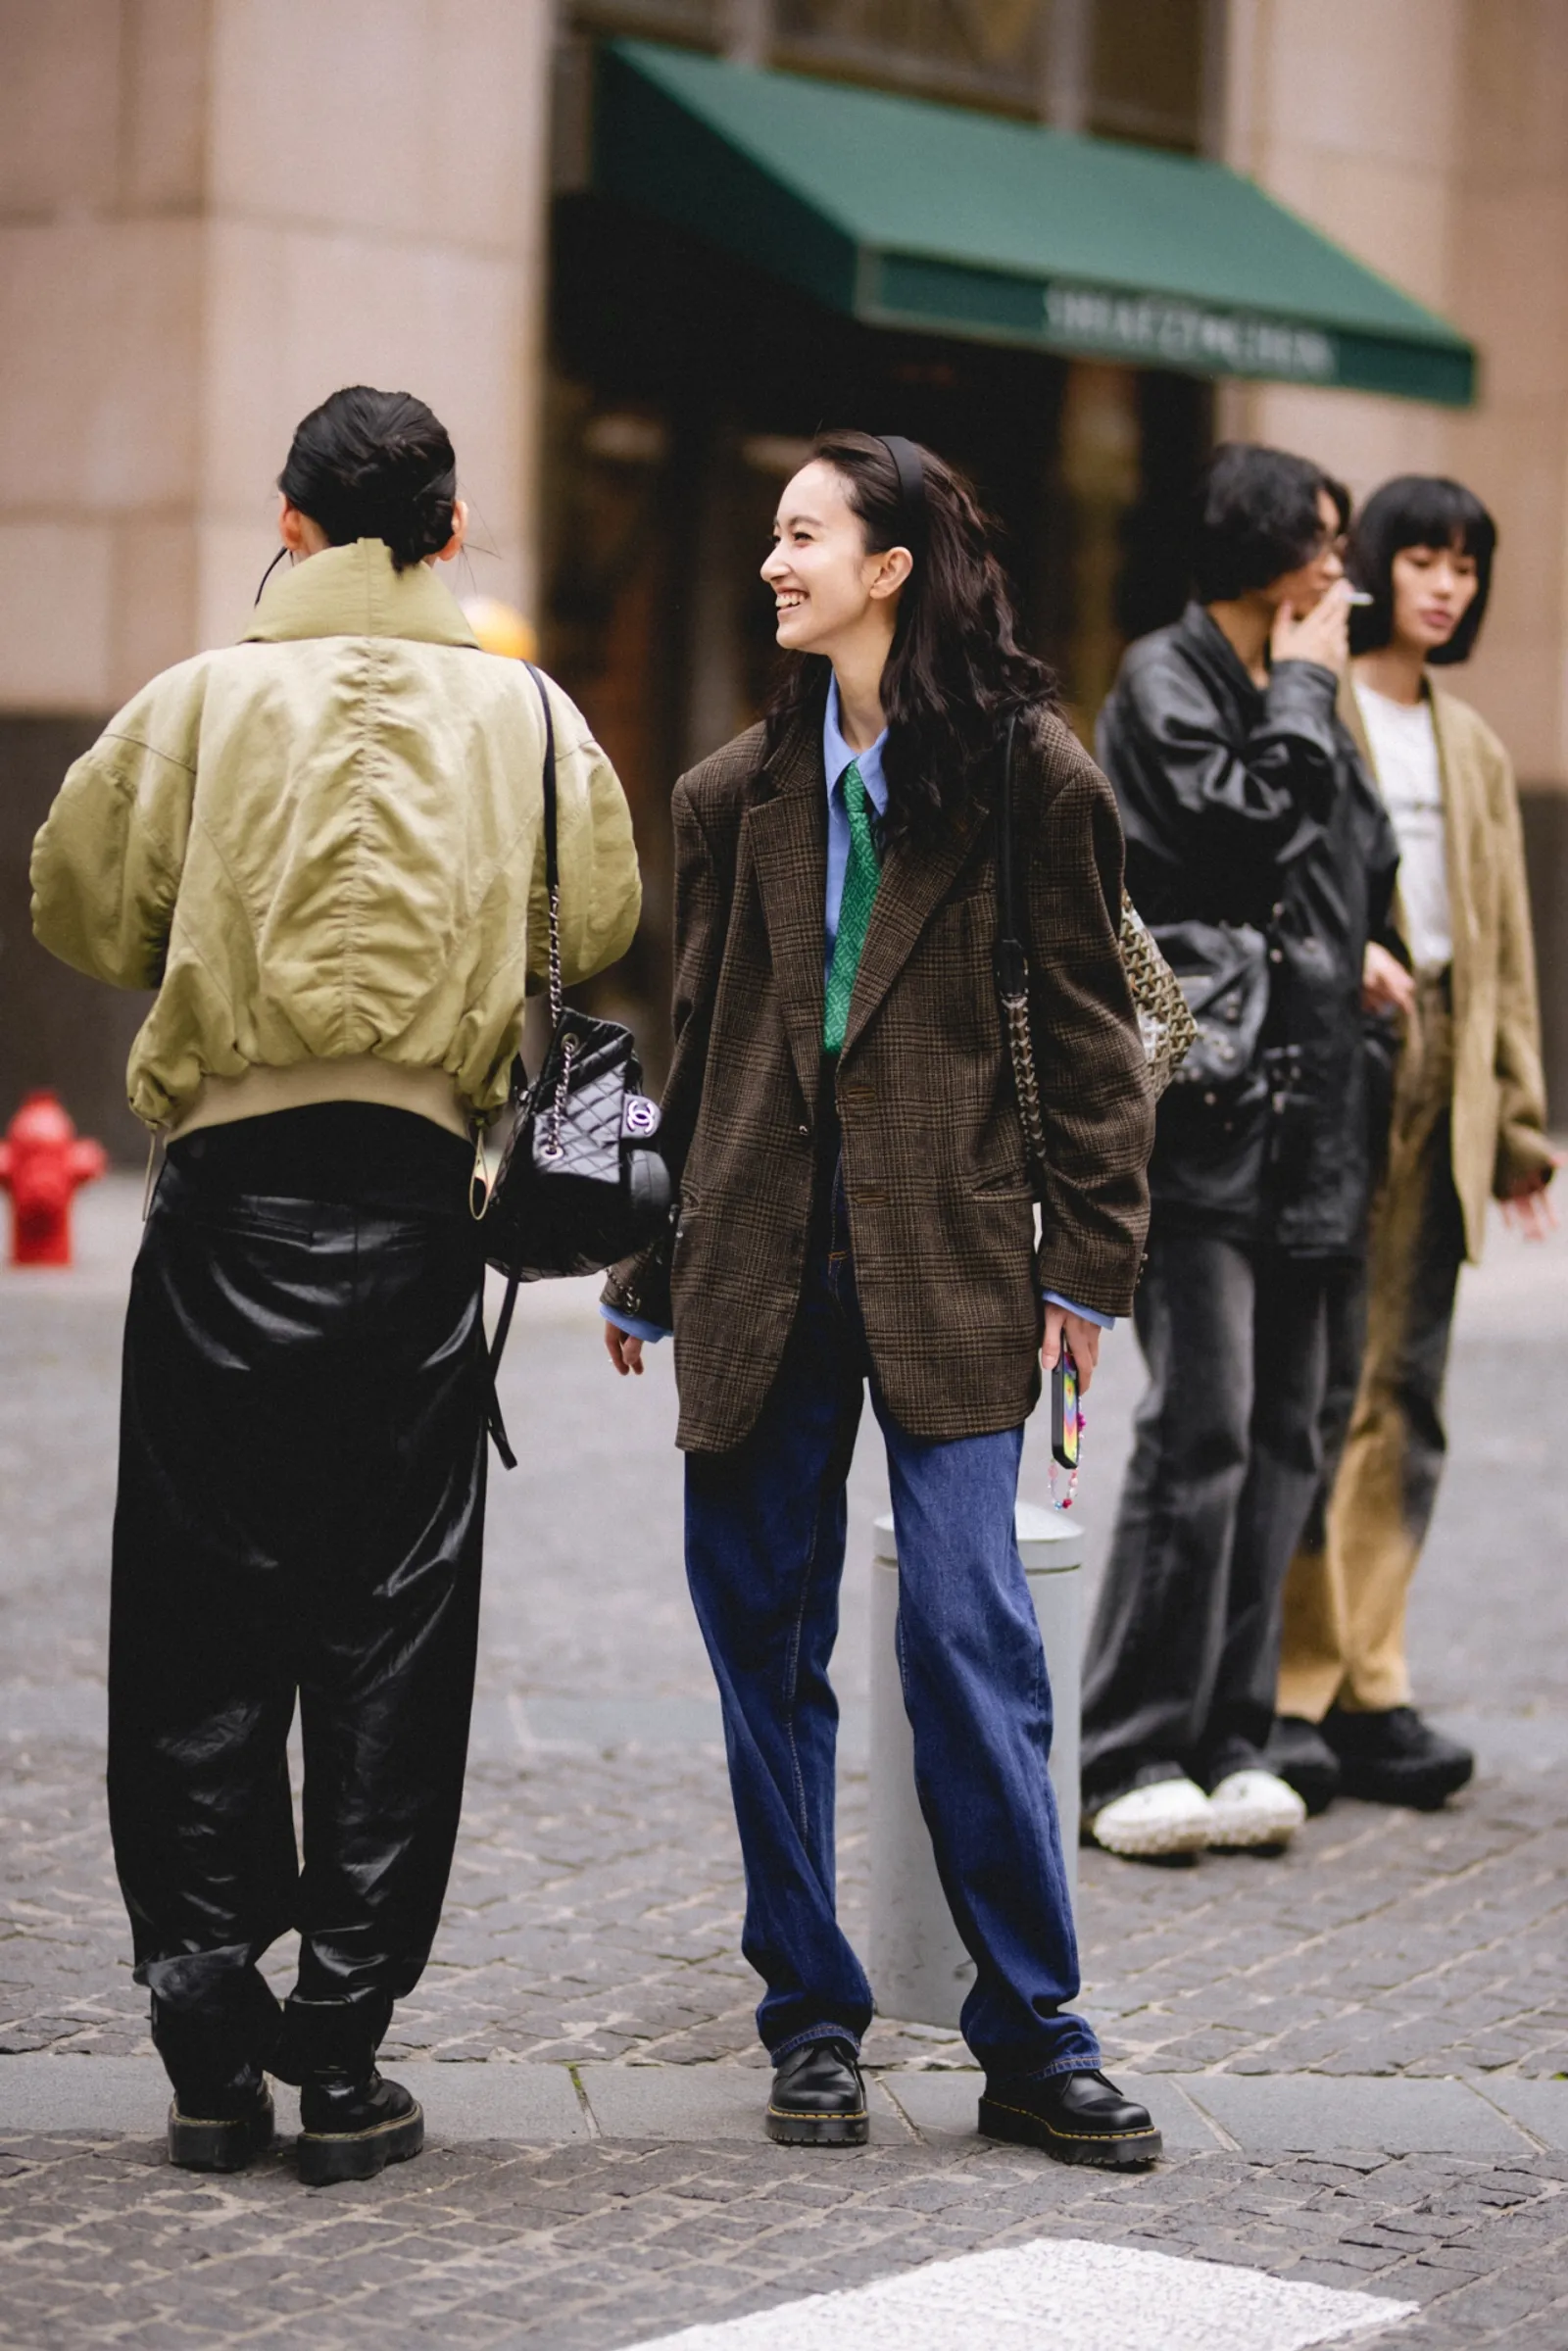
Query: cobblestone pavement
[590, 2248]
[595, 1908]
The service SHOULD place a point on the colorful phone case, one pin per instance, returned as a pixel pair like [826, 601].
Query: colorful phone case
[1065, 1426]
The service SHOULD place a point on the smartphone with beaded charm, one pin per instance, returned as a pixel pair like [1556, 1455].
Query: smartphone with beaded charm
[1067, 1420]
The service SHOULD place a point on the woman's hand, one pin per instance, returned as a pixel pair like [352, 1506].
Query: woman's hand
[625, 1351]
[1529, 1209]
[1385, 985]
[1083, 1343]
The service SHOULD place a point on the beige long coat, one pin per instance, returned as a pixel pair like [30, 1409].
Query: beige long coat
[1500, 1101]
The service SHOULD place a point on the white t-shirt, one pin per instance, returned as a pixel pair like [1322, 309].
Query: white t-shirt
[1404, 755]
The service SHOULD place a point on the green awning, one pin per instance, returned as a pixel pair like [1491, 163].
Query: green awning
[910, 215]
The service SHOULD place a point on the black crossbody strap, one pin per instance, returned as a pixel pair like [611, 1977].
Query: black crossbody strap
[498, 1346]
[1011, 956]
[1010, 962]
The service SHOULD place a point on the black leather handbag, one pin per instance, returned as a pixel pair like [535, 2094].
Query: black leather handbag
[1223, 971]
[581, 1182]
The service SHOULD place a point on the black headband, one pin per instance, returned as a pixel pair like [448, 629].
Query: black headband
[911, 486]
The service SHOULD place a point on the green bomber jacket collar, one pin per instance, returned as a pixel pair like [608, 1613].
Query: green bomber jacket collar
[358, 592]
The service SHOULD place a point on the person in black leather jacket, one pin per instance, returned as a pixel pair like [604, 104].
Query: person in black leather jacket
[1260, 852]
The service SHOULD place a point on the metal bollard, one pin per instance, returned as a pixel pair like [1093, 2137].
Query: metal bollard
[919, 1969]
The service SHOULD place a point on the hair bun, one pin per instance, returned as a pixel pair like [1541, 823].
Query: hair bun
[370, 465]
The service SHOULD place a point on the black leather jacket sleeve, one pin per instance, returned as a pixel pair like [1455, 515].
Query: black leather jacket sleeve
[1206, 799]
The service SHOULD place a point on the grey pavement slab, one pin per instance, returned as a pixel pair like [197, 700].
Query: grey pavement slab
[1540, 2106]
[106, 2095]
[943, 2105]
[701, 2105]
[112, 2096]
[1314, 2113]
[697, 2105]
[688, 2104]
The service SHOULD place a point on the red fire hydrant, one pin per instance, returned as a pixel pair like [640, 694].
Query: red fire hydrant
[42, 1160]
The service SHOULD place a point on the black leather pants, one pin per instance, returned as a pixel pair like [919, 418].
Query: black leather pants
[300, 1516]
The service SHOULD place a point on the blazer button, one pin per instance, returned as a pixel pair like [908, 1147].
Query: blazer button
[1276, 954]
[803, 1128]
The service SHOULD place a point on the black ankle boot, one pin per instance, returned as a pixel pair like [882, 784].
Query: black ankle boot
[220, 2129]
[817, 2098]
[216, 2055]
[352, 2130]
[1393, 1757]
[352, 2123]
[1078, 2117]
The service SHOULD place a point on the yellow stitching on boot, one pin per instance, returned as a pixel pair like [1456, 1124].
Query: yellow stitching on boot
[791, 2114]
[1080, 2138]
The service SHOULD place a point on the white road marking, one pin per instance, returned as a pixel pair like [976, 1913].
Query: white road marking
[1058, 2295]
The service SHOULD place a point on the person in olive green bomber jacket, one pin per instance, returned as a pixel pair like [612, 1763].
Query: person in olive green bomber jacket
[324, 848]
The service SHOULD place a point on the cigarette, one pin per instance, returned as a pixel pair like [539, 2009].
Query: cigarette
[1357, 595]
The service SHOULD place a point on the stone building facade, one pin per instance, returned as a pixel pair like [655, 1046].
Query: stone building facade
[212, 212]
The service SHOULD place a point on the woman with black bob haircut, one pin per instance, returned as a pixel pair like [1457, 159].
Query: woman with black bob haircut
[1421, 510]
[1468, 1126]
[324, 848]
[856, 1209]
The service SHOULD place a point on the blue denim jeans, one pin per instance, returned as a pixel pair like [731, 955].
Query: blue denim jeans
[766, 1529]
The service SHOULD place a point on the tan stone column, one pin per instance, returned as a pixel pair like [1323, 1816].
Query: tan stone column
[1427, 136]
[212, 213]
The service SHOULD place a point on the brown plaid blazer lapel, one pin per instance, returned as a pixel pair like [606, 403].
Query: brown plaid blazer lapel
[914, 884]
[787, 837]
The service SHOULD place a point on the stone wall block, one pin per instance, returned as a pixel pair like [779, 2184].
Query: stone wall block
[1380, 83]
[59, 106]
[100, 326]
[56, 614]
[164, 152]
[297, 313]
[402, 118]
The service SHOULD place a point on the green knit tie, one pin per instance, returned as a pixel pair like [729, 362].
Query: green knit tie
[855, 911]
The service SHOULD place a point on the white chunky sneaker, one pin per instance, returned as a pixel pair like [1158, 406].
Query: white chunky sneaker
[1171, 1816]
[1253, 1808]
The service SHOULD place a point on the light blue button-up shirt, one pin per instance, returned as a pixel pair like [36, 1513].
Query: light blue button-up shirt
[836, 757]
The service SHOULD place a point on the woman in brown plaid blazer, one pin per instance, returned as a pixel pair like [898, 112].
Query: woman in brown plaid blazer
[855, 1209]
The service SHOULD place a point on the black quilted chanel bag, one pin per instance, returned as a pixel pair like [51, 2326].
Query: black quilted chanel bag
[582, 1182]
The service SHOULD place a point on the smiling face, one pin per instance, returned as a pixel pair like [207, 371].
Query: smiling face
[1433, 587]
[827, 588]
[1310, 582]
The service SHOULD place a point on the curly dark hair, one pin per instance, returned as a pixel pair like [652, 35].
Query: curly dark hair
[1418, 510]
[368, 465]
[955, 669]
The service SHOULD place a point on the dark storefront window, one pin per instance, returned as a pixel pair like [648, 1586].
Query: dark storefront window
[704, 24]
[987, 50]
[1146, 71]
[1125, 68]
